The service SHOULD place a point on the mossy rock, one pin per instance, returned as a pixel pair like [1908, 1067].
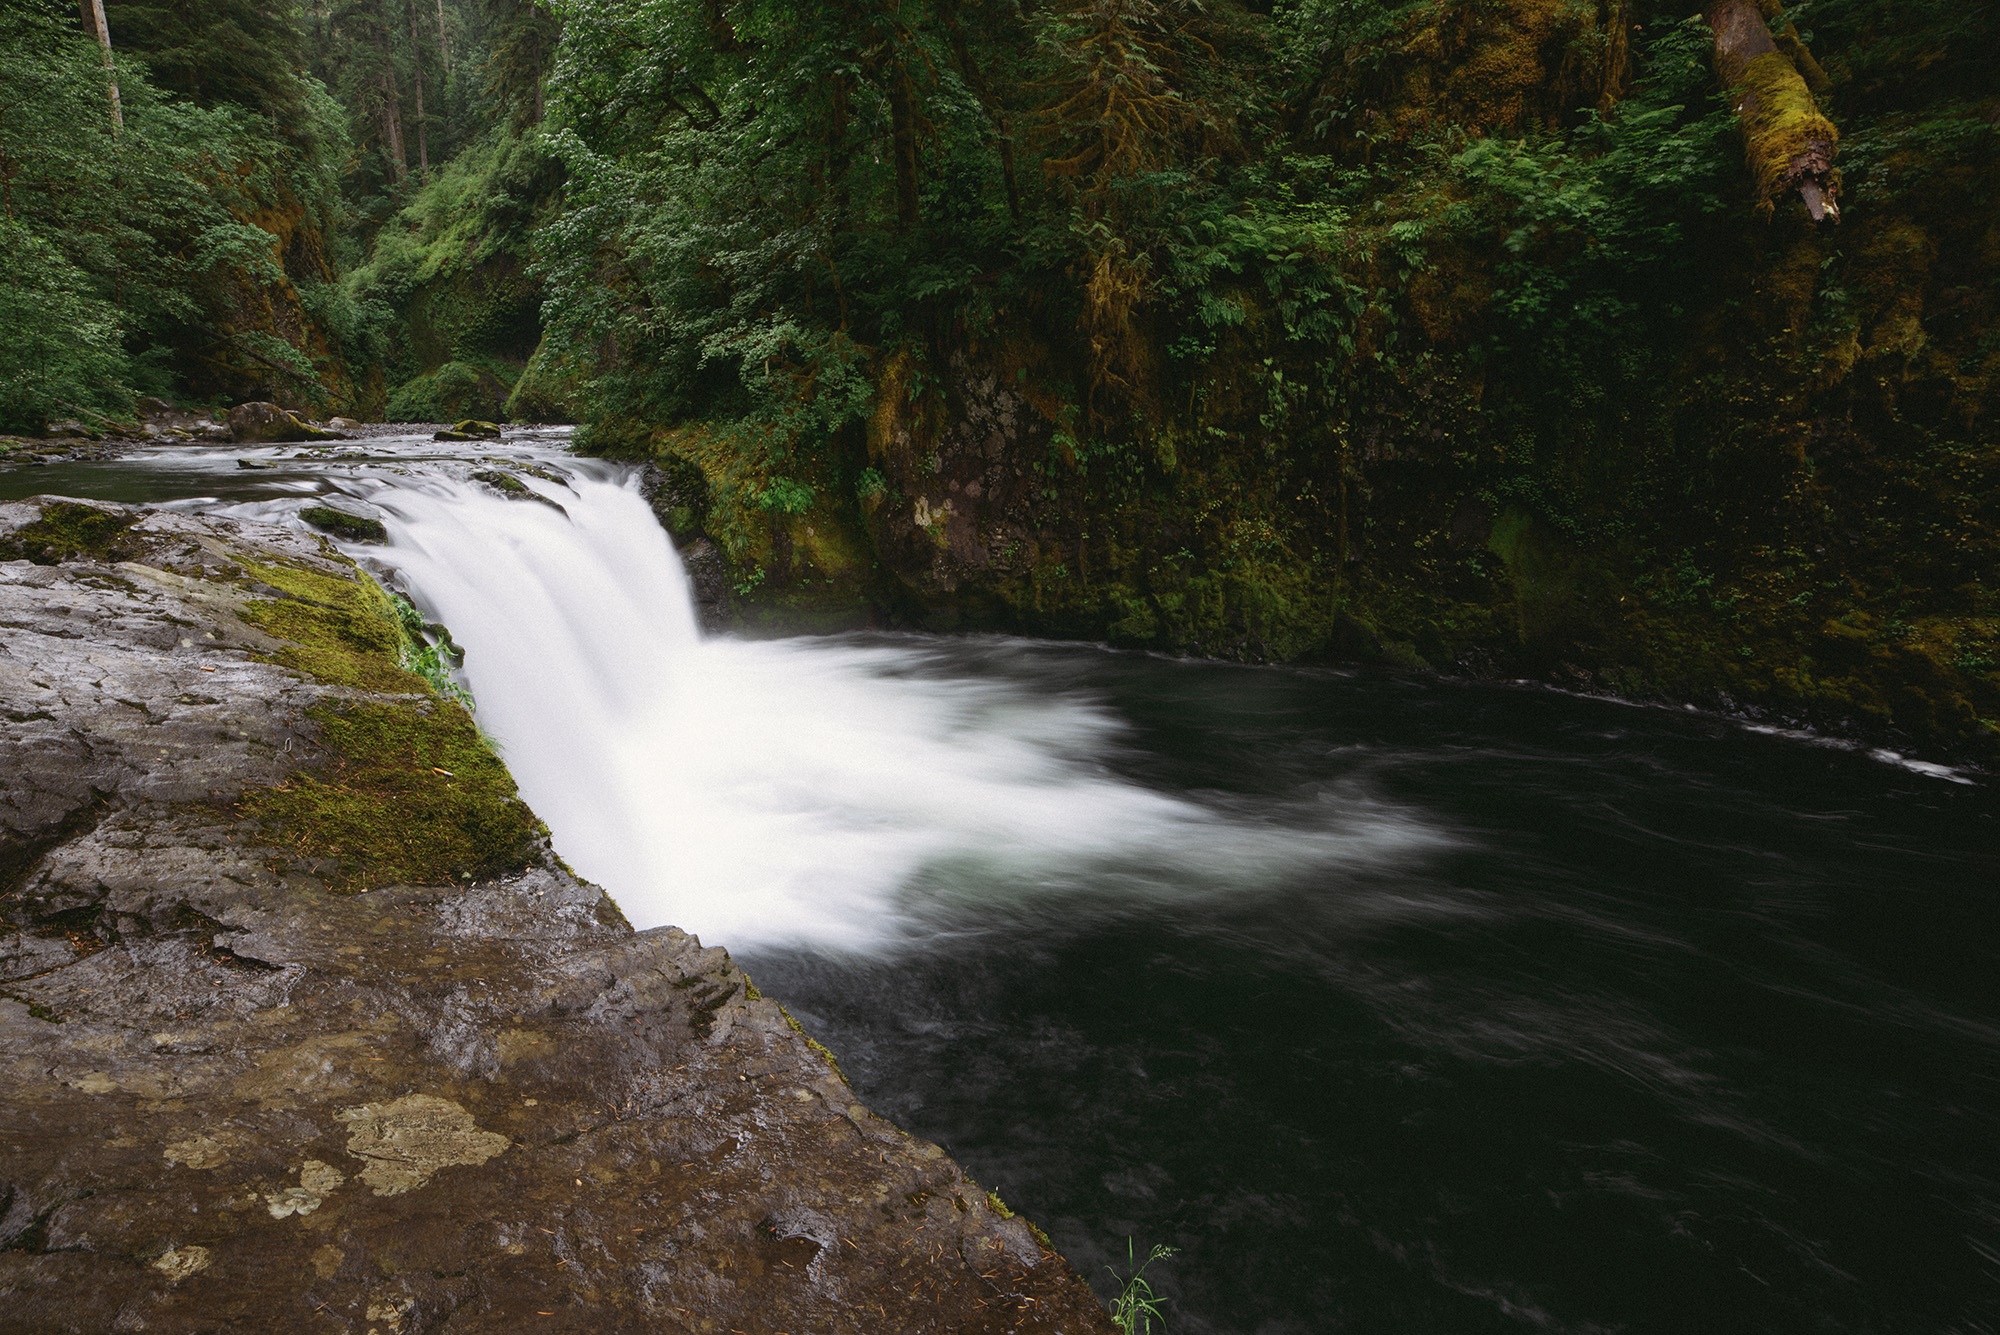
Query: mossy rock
[344, 525]
[469, 429]
[504, 483]
[69, 531]
[408, 791]
[267, 423]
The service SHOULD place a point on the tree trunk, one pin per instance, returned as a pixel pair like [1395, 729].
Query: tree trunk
[996, 112]
[903, 134]
[417, 78]
[392, 119]
[423, 132]
[540, 109]
[444, 47]
[94, 24]
[1789, 145]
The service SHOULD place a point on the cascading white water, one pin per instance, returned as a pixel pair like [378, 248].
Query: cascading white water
[831, 792]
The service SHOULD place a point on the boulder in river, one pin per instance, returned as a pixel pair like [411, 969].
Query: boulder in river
[344, 524]
[303, 1025]
[267, 423]
[470, 429]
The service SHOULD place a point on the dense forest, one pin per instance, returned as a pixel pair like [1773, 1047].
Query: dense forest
[1643, 345]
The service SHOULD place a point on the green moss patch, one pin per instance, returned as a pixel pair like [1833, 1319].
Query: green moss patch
[341, 630]
[411, 794]
[68, 531]
[341, 524]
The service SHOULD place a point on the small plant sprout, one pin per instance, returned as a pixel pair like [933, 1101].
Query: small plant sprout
[1137, 1307]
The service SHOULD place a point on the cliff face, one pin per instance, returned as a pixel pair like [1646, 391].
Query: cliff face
[1515, 348]
[303, 1026]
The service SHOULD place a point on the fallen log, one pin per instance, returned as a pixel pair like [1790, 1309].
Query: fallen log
[1787, 142]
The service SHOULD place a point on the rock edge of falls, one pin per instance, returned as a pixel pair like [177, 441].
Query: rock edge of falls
[237, 1098]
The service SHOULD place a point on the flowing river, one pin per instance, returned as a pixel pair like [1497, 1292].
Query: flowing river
[1394, 1004]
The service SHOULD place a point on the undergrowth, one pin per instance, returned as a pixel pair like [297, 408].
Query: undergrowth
[1137, 1307]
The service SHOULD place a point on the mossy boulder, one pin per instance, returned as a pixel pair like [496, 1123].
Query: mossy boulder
[505, 483]
[469, 429]
[344, 524]
[72, 531]
[260, 423]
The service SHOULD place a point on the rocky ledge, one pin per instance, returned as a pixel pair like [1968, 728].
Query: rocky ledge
[303, 1027]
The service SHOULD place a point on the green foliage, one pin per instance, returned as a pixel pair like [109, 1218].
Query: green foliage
[61, 350]
[1422, 329]
[429, 653]
[546, 391]
[156, 257]
[1137, 1307]
[754, 197]
[242, 53]
[456, 313]
[450, 392]
[786, 496]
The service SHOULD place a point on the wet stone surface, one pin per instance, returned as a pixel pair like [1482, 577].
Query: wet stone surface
[234, 1100]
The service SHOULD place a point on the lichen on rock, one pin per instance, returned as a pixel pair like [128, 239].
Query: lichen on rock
[405, 1142]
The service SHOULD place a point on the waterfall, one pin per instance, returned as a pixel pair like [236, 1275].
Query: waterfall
[845, 792]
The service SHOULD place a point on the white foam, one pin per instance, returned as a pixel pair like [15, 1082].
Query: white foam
[768, 792]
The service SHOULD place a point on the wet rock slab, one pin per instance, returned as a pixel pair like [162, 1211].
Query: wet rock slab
[233, 1100]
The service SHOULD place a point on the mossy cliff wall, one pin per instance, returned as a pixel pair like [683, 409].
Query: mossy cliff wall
[1527, 381]
[449, 275]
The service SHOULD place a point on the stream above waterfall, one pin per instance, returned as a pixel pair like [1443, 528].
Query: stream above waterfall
[1395, 1004]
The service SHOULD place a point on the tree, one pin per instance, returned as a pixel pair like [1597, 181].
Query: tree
[94, 24]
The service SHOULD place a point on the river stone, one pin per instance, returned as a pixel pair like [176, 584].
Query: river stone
[236, 1101]
[267, 423]
[345, 524]
[468, 430]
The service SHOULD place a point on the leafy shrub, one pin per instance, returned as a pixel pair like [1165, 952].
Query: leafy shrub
[453, 391]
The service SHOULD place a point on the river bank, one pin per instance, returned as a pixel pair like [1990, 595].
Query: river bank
[304, 1024]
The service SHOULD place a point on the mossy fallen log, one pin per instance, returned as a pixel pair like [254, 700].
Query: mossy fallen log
[1788, 143]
